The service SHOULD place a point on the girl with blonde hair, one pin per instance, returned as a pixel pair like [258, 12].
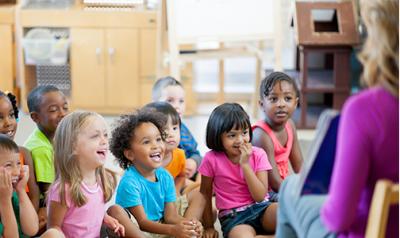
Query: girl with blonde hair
[76, 200]
[367, 145]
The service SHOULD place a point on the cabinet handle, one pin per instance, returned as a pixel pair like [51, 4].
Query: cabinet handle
[111, 52]
[98, 55]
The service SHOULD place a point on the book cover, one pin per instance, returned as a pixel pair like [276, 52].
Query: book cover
[317, 170]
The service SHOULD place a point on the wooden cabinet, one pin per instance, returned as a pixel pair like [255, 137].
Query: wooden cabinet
[104, 69]
[111, 53]
[147, 47]
[6, 58]
[6, 49]
[147, 68]
[112, 57]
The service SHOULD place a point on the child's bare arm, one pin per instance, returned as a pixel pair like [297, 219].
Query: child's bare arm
[256, 182]
[8, 220]
[114, 225]
[295, 157]
[34, 192]
[27, 214]
[176, 230]
[56, 215]
[262, 140]
[208, 220]
[148, 225]
[180, 183]
[184, 227]
[171, 215]
[9, 223]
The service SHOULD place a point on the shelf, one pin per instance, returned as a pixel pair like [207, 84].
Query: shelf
[335, 81]
[7, 14]
[313, 113]
[77, 16]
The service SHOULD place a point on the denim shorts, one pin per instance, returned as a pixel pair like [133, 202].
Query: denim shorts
[273, 196]
[251, 216]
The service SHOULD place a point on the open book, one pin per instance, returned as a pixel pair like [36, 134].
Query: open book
[317, 169]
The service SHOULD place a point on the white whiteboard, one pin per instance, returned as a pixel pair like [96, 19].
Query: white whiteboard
[221, 20]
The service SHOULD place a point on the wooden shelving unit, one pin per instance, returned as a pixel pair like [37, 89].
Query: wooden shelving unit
[7, 58]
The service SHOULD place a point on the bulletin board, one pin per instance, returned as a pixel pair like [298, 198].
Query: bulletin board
[222, 20]
[246, 23]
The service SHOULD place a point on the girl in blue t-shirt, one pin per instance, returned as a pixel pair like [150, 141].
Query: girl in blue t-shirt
[146, 189]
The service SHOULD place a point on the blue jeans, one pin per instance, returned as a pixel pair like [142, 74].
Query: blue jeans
[299, 216]
[251, 216]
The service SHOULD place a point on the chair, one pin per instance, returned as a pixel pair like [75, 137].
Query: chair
[386, 193]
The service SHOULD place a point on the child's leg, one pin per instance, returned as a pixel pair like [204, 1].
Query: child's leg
[52, 233]
[194, 193]
[197, 203]
[269, 218]
[131, 229]
[242, 231]
[190, 186]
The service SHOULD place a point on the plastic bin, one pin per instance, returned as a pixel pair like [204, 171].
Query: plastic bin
[42, 48]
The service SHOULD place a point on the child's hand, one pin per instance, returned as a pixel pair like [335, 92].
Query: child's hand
[114, 225]
[210, 233]
[6, 188]
[191, 167]
[23, 178]
[185, 229]
[42, 214]
[198, 227]
[245, 152]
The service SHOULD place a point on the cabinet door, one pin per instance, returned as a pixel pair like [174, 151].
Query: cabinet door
[122, 68]
[6, 58]
[88, 68]
[148, 47]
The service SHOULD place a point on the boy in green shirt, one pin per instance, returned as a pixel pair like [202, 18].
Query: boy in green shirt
[47, 106]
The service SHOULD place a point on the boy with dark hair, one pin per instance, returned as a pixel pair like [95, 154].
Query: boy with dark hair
[47, 106]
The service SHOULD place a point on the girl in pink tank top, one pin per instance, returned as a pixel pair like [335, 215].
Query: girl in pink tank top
[276, 133]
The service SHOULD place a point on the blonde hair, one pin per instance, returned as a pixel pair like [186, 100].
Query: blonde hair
[379, 55]
[67, 165]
